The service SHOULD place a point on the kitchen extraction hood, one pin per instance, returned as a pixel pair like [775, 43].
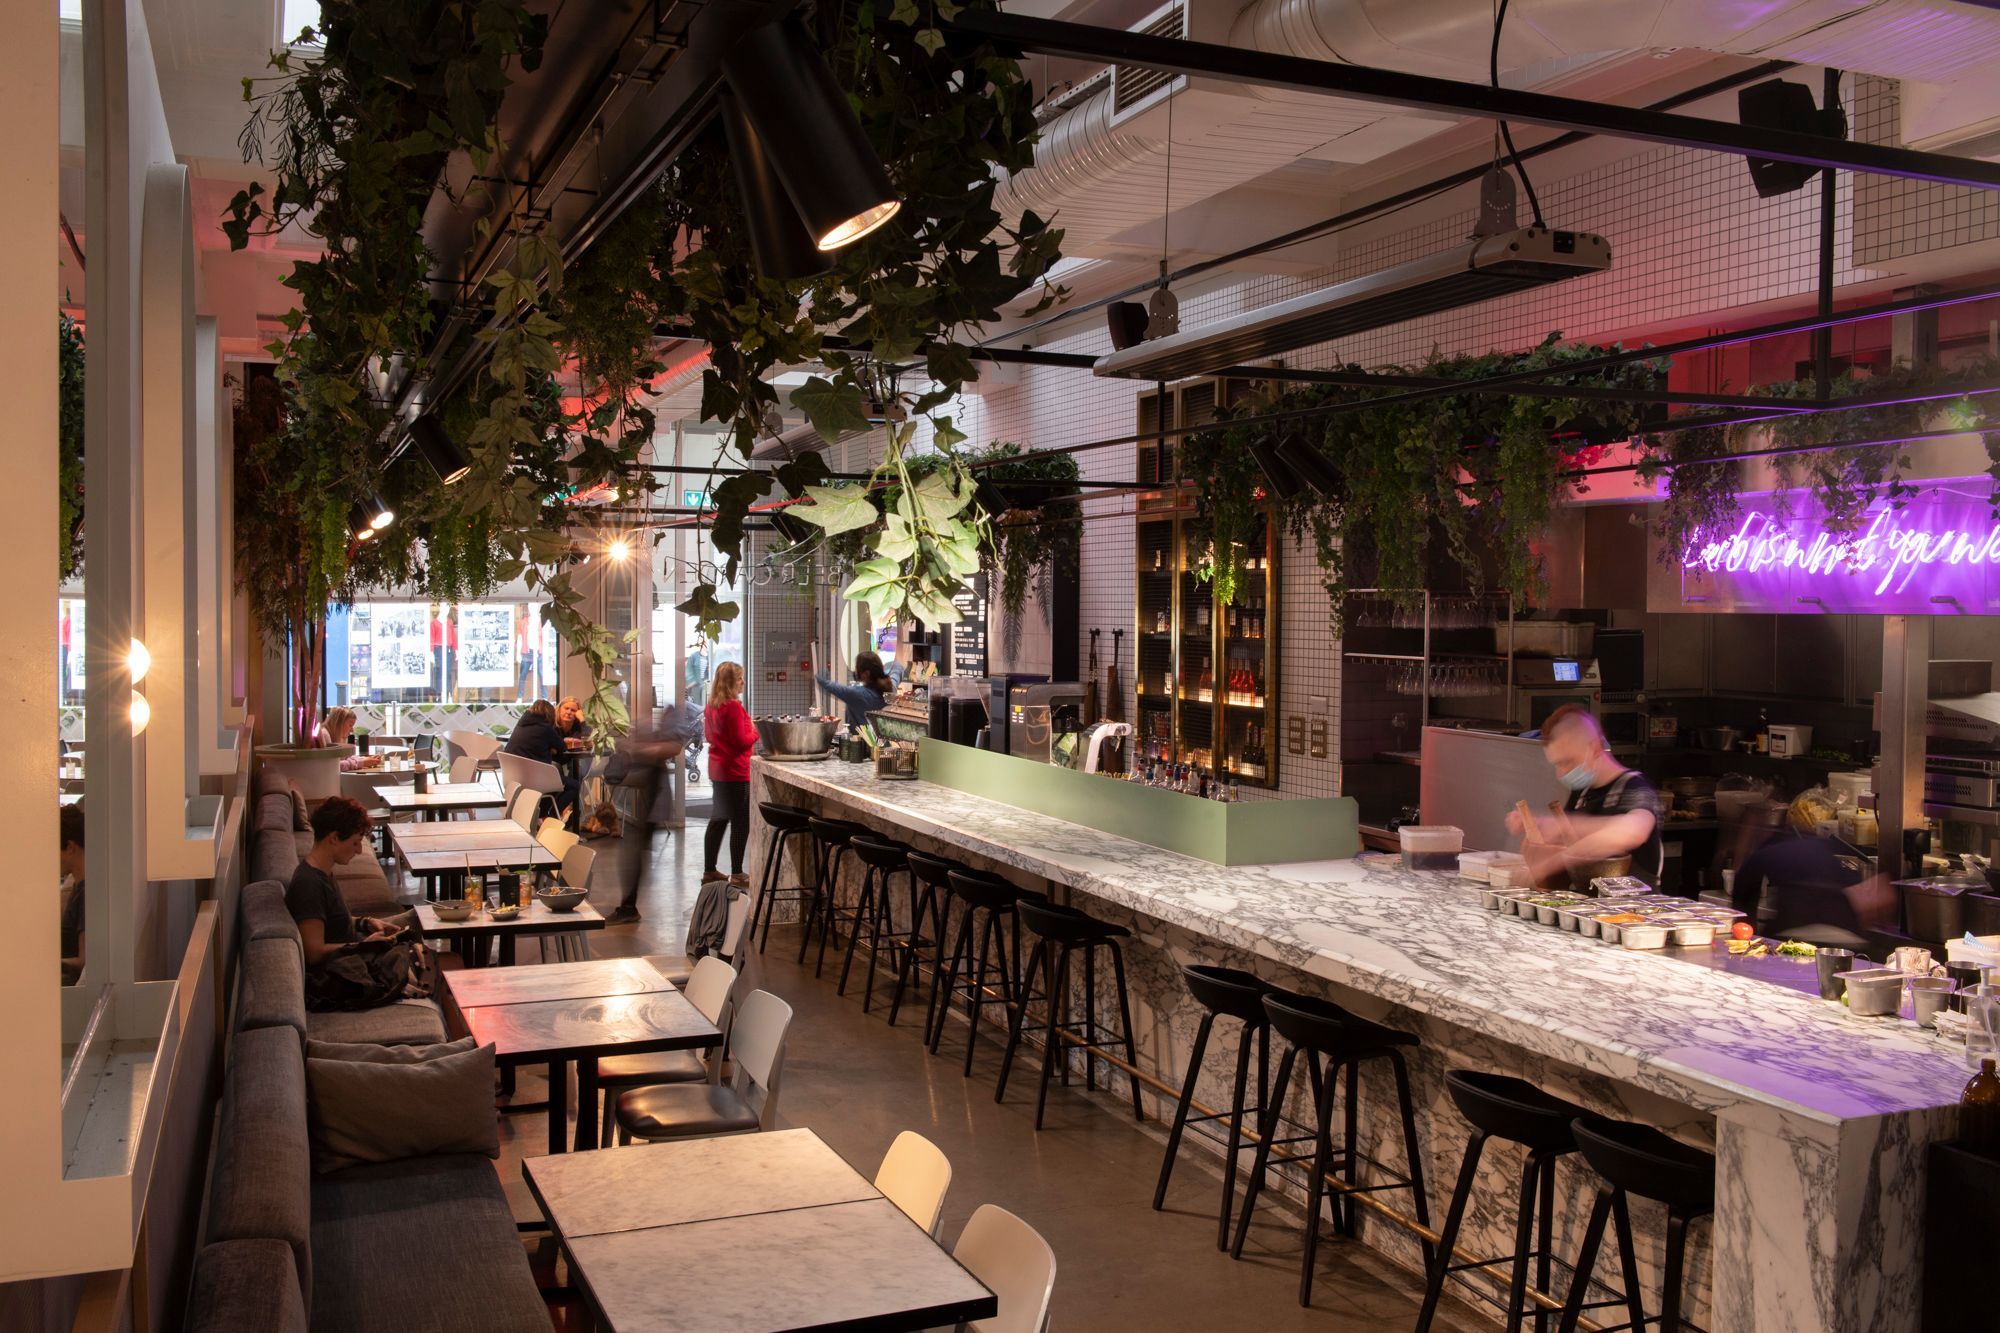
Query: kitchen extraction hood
[1478, 270]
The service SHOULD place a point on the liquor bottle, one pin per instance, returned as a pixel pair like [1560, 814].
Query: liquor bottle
[1979, 1111]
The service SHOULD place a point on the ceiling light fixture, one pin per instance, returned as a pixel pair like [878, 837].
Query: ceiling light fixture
[138, 660]
[1283, 482]
[379, 514]
[141, 713]
[1309, 464]
[785, 251]
[439, 450]
[817, 147]
[620, 549]
[358, 525]
[1478, 270]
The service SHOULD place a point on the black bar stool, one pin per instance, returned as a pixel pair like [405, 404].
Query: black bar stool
[1499, 1107]
[830, 846]
[1222, 992]
[1638, 1159]
[933, 878]
[1322, 1029]
[883, 859]
[1060, 932]
[786, 822]
[967, 970]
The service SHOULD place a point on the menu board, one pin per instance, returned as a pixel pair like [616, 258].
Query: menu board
[968, 636]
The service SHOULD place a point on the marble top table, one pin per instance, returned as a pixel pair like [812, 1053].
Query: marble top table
[537, 920]
[430, 850]
[583, 1028]
[636, 1221]
[443, 798]
[1820, 1117]
[556, 981]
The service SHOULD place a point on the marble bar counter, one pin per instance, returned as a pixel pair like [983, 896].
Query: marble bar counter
[1818, 1119]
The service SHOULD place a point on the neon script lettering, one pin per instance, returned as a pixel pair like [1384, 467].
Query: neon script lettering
[1888, 551]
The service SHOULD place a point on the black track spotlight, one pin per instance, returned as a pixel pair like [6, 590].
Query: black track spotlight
[1778, 105]
[1308, 464]
[439, 450]
[1127, 321]
[785, 252]
[795, 531]
[378, 514]
[1284, 482]
[990, 497]
[358, 525]
[817, 146]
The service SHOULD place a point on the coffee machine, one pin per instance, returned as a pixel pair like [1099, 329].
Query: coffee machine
[1038, 714]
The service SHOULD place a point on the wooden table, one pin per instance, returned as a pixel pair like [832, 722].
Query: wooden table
[538, 920]
[578, 1024]
[635, 1222]
[593, 979]
[443, 798]
[432, 851]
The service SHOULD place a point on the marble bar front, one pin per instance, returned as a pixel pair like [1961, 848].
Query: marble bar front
[1818, 1120]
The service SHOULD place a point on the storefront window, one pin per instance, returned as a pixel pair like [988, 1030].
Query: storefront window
[69, 649]
[386, 652]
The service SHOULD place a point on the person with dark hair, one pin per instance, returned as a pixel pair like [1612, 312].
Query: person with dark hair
[1611, 810]
[340, 832]
[864, 698]
[70, 859]
[538, 736]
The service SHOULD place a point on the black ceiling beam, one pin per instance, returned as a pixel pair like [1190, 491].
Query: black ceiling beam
[1361, 83]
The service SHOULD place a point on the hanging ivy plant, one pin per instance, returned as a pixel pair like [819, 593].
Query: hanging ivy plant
[69, 446]
[1041, 532]
[1479, 472]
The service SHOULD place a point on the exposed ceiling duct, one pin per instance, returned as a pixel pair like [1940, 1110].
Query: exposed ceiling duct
[1101, 168]
[1477, 271]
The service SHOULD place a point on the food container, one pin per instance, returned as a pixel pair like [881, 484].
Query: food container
[1587, 925]
[1928, 997]
[796, 736]
[1568, 917]
[1500, 871]
[1790, 742]
[1431, 846]
[1932, 908]
[1475, 865]
[1618, 886]
[1690, 932]
[1489, 898]
[1874, 992]
[1611, 867]
[1715, 738]
[1648, 935]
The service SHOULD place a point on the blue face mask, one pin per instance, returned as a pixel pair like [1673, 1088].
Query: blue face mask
[1578, 778]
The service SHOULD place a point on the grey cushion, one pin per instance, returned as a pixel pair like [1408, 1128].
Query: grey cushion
[373, 1053]
[273, 854]
[685, 1111]
[424, 1244]
[262, 1189]
[271, 986]
[392, 1111]
[246, 1286]
[264, 914]
[404, 1023]
[267, 781]
[365, 889]
[275, 812]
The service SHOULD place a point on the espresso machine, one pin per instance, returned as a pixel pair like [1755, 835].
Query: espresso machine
[1038, 714]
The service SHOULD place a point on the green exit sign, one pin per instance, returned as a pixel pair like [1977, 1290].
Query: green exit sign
[696, 498]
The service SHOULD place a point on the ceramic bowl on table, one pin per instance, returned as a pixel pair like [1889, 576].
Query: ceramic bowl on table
[561, 900]
[504, 911]
[1874, 992]
[448, 910]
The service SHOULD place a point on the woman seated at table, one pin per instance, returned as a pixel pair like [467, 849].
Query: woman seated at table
[334, 729]
[70, 860]
[569, 721]
[536, 736]
[351, 962]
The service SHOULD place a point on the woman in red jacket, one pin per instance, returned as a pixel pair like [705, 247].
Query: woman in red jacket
[731, 736]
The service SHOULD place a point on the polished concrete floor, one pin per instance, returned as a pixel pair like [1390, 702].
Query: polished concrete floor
[1085, 1181]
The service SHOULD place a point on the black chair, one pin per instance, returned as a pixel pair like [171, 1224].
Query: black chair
[969, 968]
[785, 822]
[1499, 1107]
[933, 876]
[1638, 1159]
[1059, 933]
[1222, 992]
[1322, 1030]
[883, 860]
[830, 847]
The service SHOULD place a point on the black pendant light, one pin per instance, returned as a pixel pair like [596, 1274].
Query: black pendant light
[1309, 464]
[358, 525]
[1284, 482]
[439, 450]
[378, 514]
[817, 147]
[784, 250]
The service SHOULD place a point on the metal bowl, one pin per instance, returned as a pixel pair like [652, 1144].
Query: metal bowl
[802, 736]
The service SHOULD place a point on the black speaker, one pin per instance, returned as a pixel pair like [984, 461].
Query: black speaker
[1778, 105]
[1127, 321]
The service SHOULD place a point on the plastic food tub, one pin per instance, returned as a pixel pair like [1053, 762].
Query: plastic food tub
[1431, 846]
[1651, 935]
[1476, 866]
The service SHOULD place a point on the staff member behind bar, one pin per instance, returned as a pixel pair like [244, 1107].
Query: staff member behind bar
[1611, 810]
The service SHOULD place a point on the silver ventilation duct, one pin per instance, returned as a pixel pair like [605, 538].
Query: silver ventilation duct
[1476, 271]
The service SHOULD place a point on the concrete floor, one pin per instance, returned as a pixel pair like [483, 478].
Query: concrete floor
[1085, 1181]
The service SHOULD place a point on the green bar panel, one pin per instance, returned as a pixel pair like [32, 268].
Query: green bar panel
[1235, 834]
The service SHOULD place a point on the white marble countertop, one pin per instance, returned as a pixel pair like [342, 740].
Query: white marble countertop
[1704, 1038]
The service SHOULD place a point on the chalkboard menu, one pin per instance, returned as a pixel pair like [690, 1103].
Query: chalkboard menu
[968, 636]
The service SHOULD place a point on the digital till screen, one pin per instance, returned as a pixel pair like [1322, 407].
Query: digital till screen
[1566, 672]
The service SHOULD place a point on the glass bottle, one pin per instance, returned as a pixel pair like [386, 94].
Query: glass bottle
[1979, 1112]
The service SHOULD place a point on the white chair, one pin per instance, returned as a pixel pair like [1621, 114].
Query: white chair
[544, 778]
[707, 990]
[478, 746]
[464, 768]
[744, 1105]
[1015, 1263]
[915, 1175]
[576, 864]
[554, 838]
[521, 807]
[677, 969]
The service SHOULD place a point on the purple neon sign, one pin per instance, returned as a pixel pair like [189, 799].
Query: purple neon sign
[1939, 552]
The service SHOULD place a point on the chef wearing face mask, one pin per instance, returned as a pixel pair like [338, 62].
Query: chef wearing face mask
[1610, 811]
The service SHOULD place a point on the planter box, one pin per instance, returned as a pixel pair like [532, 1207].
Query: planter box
[315, 770]
[1233, 834]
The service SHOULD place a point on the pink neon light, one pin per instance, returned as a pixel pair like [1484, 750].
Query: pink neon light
[1893, 547]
